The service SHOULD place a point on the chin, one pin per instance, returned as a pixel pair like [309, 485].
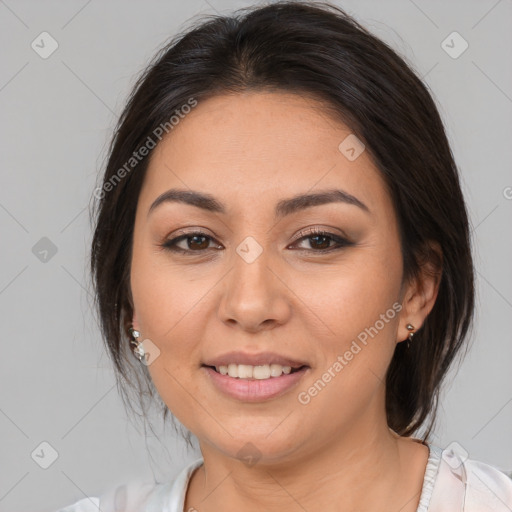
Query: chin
[264, 445]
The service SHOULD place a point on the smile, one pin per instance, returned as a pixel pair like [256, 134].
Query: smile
[254, 383]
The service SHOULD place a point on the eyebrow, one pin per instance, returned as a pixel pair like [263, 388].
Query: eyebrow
[284, 207]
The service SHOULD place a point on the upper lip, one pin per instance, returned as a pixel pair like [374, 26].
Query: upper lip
[258, 359]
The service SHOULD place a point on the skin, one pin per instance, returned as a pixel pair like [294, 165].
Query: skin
[249, 151]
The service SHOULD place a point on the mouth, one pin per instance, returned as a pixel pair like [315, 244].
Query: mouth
[248, 383]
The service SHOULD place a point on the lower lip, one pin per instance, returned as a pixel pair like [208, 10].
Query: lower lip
[255, 390]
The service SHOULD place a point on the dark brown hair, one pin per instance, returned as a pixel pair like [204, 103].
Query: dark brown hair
[317, 50]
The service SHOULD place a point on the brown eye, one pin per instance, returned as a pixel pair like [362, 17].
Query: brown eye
[324, 241]
[320, 241]
[193, 242]
[197, 242]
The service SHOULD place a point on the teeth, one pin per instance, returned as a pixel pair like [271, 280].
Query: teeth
[277, 369]
[261, 372]
[246, 371]
[233, 370]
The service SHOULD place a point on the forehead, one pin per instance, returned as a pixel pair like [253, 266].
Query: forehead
[255, 146]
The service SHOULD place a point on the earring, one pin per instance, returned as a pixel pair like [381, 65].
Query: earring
[411, 334]
[138, 350]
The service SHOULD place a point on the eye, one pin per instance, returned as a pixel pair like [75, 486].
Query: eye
[196, 241]
[320, 241]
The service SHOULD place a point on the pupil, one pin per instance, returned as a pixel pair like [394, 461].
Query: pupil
[325, 239]
[195, 237]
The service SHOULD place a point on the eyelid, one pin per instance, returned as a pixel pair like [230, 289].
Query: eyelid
[189, 231]
[314, 230]
[195, 230]
[192, 230]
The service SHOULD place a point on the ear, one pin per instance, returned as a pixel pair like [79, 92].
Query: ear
[420, 292]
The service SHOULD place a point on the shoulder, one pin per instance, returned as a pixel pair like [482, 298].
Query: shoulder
[136, 494]
[464, 482]
[487, 486]
[132, 494]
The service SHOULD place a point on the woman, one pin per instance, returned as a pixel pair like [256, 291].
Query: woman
[282, 240]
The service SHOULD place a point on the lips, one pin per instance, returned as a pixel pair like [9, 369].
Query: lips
[254, 390]
[258, 387]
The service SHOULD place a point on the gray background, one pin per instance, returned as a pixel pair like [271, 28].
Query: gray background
[57, 116]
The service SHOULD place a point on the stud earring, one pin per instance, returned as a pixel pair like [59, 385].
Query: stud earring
[410, 328]
[138, 348]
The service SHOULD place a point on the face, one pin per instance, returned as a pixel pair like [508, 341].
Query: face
[315, 284]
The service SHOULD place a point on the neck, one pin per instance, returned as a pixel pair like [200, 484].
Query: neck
[358, 470]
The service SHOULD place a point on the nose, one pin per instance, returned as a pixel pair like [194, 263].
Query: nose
[254, 295]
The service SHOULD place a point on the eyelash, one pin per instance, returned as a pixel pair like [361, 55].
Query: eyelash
[170, 245]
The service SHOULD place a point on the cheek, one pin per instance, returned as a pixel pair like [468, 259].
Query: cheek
[358, 306]
[355, 358]
[165, 298]
[345, 300]
[170, 318]
[171, 312]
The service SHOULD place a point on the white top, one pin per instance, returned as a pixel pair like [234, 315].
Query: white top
[452, 483]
